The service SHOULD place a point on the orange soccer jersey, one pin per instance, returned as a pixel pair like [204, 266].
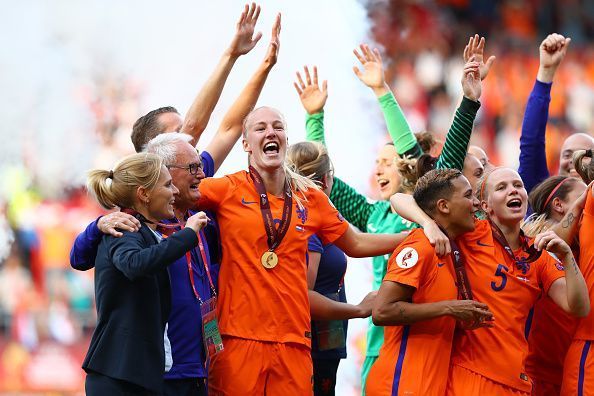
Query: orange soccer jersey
[578, 373]
[254, 302]
[499, 353]
[549, 335]
[414, 359]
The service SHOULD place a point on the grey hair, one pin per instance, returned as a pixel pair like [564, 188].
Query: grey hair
[165, 145]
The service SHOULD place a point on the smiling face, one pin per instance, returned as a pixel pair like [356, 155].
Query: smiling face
[386, 173]
[578, 141]
[183, 179]
[505, 199]
[265, 139]
[462, 205]
[162, 197]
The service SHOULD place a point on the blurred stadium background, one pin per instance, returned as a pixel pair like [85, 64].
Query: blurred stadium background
[76, 74]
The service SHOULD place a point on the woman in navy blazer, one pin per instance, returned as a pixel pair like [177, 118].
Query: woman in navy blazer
[132, 292]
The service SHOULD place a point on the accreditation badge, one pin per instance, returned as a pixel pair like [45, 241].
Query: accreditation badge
[330, 333]
[213, 343]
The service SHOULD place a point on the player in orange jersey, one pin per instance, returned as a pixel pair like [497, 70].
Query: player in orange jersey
[578, 371]
[549, 329]
[417, 299]
[265, 218]
[509, 275]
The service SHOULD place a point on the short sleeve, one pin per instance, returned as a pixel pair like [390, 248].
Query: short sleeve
[409, 262]
[551, 270]
[213, 191]
[314, 244]
[207, 164]
[331, 223]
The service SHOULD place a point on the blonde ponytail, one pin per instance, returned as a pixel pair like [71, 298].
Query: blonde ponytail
[117, 188]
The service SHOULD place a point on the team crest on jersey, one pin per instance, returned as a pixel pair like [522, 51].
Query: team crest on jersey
[559, 266]
[407, 258]
[302, 214]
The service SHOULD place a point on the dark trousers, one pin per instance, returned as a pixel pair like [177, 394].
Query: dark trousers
[186, 387]
[324, 371]
[100, 385]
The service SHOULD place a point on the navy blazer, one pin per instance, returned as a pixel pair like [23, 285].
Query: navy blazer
[133, 298]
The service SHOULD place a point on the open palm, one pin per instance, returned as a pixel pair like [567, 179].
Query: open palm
[372, 74]
[312, 97]
[476, 48]
[244, 40]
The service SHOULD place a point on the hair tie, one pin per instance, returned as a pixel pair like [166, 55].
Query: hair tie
[553, 192]
[110, 176]
[589, 153]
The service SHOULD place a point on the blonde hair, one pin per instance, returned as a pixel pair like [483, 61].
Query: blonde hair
[586, 171]
[309, 159]
[133, 171]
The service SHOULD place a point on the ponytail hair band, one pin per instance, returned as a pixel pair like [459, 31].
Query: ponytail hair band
[110, 176]
[552, 194]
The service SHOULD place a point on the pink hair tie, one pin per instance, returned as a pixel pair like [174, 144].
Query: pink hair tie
[554, 191]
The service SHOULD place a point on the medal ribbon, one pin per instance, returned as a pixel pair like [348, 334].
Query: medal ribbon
[533, 254]
[274, 235]
[462, 282]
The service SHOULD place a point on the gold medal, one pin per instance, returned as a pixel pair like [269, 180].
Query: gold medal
[269, 260]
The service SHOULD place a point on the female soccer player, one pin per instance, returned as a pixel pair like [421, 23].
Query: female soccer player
[326, 269]
[265, 218]
[578, 370]
[507, 273]
[549, 328]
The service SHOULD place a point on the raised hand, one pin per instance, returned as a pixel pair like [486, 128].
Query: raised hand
[244, 40]
[476, 48]
[552, 51]
[312, 97]
[471, 83]
[372, 74]
[197, 221]
[274, 46]
[111, 223]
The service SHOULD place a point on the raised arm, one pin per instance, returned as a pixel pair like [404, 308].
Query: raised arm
[244, 41]
[456, 143]
[231, 126]
[533, 162]
[372, 76]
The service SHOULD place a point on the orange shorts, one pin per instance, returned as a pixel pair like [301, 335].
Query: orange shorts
[249, 367]
[578, 371]
[543, 388]
[468, 383]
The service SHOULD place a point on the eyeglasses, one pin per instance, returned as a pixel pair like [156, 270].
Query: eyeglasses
[192, 168]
